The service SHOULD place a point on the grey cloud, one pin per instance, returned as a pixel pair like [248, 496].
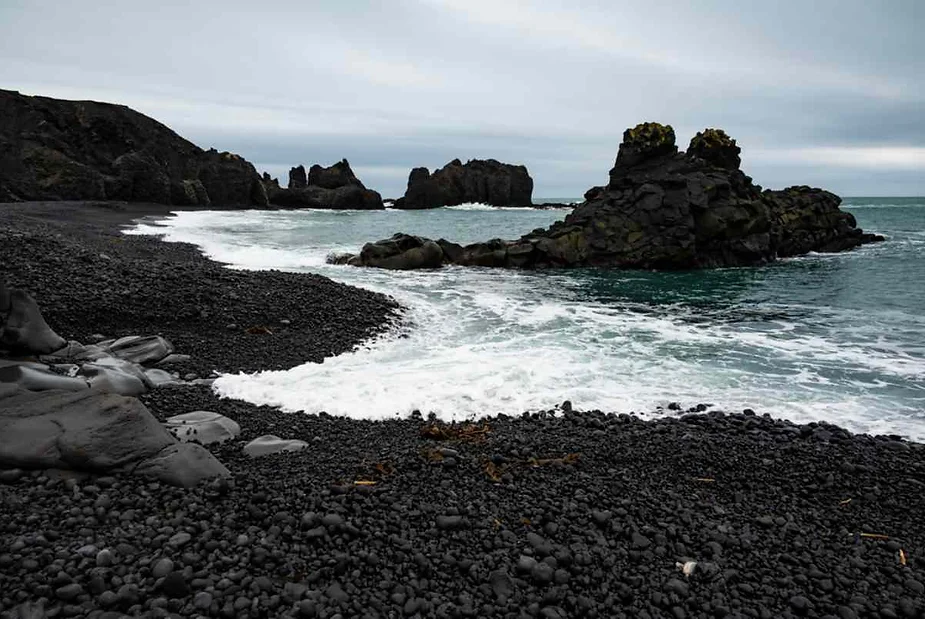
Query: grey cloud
[393, 85]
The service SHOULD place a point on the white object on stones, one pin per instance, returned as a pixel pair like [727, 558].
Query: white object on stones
[204, 427]
[269, 444]
[141, 349]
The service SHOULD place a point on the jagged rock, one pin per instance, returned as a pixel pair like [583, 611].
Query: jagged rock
[141, 349]
[183, 465]
[337, 175]
[269, 444]
[140, 178]
[51, 149]
[335, 187]
[204, 427]
[24, 330]
[486, 181]
[297, 177]
[663, 209]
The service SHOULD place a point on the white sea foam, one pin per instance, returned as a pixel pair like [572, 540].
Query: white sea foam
[481, 342]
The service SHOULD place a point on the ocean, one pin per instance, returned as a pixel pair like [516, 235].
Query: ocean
[833, 337]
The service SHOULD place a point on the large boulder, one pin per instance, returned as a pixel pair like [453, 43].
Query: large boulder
[90, 431]
[51, 149]
[486, 181]
[335, 187]
[22, 327]
[76, 430]
[665, 209]
[402, 252]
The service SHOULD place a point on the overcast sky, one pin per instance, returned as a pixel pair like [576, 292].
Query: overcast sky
[821, 92]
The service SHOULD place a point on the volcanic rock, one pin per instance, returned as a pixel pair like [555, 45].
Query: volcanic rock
[97, 432]
[486, 181]
[51, 149]
[335, 187]
[664, 209]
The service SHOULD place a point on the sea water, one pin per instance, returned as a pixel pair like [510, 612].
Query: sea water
[834, 337]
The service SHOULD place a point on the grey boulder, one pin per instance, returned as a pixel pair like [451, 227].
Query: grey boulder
[111, 375]
[269, 444]
[24, 329]
[141, 349]
[182, 465]
[204, 427]
[76, 430]
[38, 377]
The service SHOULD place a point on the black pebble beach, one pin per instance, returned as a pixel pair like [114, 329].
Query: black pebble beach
[553, 515]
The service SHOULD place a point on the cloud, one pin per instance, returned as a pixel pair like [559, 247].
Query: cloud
[553, 85]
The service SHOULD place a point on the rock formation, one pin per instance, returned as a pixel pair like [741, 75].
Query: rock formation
[486, 181]
[66, 405]
[51, 149]
[335, 187]
[662, 209]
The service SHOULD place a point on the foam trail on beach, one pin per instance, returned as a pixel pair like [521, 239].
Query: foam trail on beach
[481, 342]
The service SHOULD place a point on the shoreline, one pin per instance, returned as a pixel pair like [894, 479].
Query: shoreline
[572, 514]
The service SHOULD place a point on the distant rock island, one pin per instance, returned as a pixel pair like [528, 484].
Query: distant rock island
[51, 149]
[484, 181]
[662, 209]
[335, 187]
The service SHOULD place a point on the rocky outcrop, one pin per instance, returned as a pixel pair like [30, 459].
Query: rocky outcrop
[64, 405]
[662, 209]
[486, 181]
[51, 149]
[335, 187]
[98, 432]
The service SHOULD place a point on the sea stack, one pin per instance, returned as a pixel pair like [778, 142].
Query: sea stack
[485, 181]
[335, 187]
[665, 209]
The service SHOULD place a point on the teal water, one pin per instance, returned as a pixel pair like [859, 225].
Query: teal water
[835, 337]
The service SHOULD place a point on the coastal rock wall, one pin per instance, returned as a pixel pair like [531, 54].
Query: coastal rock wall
[335, 187]
[663, 209]
[51, 149]
[486, 181]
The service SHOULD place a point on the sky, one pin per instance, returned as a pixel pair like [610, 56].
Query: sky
[829, 93]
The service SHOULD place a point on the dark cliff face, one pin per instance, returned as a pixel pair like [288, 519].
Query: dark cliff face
[662, 209]
[334, 187]
[51, 149]
[486, 181]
